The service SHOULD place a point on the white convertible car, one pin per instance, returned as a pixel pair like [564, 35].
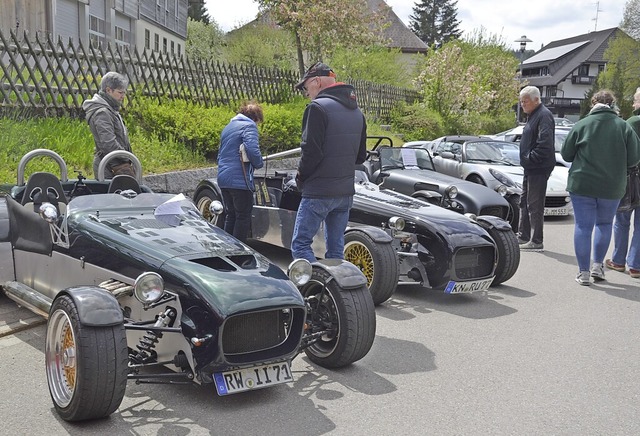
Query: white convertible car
[491, 162]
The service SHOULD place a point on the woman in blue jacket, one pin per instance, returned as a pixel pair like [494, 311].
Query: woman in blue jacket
[235, 171]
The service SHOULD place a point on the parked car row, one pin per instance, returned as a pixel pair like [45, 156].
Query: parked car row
[144, 280]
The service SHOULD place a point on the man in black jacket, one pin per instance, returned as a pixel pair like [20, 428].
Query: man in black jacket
[334, 134]
[537, 157]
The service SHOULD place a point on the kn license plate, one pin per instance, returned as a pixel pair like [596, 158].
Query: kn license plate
[467, 287]
[257, 377]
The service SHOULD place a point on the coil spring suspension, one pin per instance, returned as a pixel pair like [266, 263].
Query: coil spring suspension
[149, 340]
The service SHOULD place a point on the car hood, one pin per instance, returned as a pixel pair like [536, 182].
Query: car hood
[459, 229]
[442, 181]
[557, 181]
[190, 253]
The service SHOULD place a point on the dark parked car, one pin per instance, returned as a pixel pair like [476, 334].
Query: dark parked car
[131, 280]
[393, 238]
[410, 170]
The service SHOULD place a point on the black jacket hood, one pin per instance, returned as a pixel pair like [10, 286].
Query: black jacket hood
[342, 93]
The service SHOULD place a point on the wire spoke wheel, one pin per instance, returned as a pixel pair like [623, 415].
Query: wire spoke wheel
[360, 256]
[61, 356]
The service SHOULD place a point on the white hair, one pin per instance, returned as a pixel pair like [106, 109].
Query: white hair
[530, 91]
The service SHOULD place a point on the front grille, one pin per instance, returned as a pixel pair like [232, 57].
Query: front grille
[559, 201]
[253, 332]
[500, 212]
[474, 262]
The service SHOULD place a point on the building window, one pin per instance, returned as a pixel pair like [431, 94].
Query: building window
[179, 50]
[164, 45]
[122, 36]
[147, 38]
[600, 68]
[583, 70]
[156, 42]
[96, 31]
[172, 48]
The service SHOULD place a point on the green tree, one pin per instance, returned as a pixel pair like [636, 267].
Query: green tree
[198, 12]
[204, 41]
[435, 21]
[470, 84]
[375, 63]
[261, 45]
[320, 27]
[631, 19]
[622, 75]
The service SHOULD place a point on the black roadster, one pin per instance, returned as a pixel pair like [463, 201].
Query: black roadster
[411, 171]
[393, 238]
[130, 279]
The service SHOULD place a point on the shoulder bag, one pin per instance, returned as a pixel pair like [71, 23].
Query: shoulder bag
[631, 199]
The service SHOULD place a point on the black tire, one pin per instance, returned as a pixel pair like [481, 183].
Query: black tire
[508, 254]
[514, 212]
[377, 262]
[203, 200]
[347, 315]
[86, 366]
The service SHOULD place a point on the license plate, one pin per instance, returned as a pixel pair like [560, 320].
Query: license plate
[467, 287]
[257, 377]
[562, 211]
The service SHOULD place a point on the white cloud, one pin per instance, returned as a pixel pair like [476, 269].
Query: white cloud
[541, 21]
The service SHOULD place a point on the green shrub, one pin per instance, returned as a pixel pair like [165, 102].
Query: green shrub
[281, 129]
[416, 122]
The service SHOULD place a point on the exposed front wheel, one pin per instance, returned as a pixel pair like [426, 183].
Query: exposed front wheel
[346, 316]
[508, 254]
[86, 366]
[514, 212]
[203, 201]
[377, 262]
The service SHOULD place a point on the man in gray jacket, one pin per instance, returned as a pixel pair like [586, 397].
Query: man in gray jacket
[107, 127]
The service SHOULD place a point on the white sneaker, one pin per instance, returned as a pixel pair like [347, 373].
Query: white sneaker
[583, 278]
[597, 271]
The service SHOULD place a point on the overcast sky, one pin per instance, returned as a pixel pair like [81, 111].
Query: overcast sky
[542, 21]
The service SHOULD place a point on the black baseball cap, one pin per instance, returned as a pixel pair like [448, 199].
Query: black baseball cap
[317, 70]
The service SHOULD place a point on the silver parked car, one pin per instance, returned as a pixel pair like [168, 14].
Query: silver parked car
[514, 135]
[492, 163]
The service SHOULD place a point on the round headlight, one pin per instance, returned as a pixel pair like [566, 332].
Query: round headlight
[216, 208]
[148, 287]
[299, 271]
[451, 191]
[471, 216]
[502, 190]
[397, 223]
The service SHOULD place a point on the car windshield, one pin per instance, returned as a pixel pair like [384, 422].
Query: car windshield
[405, 157]
[114, 204]
[488, 152]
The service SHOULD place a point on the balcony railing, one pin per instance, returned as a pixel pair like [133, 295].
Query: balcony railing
[561, 102]
[583, 80]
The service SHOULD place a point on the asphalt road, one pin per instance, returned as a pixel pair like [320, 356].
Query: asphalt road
[537, 355]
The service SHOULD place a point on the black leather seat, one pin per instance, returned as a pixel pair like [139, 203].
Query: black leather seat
[44, 188]
[123, 182]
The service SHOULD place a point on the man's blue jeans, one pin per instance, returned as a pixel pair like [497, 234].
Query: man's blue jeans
[621, 227]
[334, 211]
[590, 212]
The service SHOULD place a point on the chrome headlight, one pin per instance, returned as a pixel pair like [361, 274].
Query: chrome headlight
[48, 212]
[451, 191]
[148, 287]
[502, 190]
[471, 216]
[299, 271]
[501, 177]
[396, 223]
[216, 208]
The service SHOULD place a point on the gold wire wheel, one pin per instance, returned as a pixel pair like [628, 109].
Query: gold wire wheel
[61, 357]
[360, 256]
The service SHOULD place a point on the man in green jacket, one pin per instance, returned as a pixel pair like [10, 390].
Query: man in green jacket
[601, 146]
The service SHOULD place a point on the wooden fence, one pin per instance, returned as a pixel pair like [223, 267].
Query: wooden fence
[47, 77]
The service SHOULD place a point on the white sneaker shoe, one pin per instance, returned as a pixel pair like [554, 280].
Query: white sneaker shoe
[597, 271]
[583, 278]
